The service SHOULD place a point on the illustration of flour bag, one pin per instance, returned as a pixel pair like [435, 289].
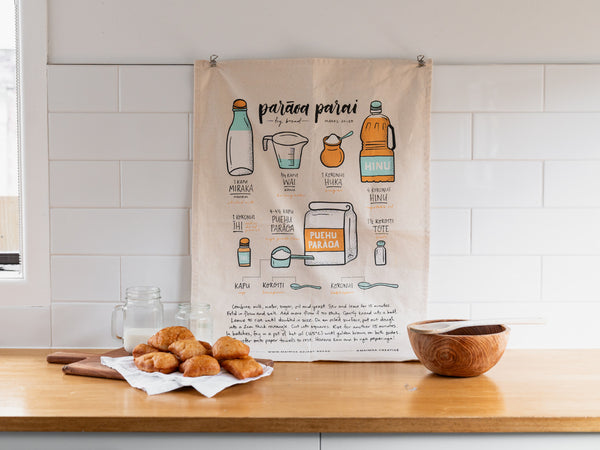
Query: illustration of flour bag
[330, 235]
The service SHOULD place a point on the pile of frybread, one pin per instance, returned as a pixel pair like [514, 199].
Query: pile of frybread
[174, 348]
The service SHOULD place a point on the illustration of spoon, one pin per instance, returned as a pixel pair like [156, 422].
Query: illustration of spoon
[365, 285]
[348, 134]
[296, 286]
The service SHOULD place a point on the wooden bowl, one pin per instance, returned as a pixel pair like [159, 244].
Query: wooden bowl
[465, 352]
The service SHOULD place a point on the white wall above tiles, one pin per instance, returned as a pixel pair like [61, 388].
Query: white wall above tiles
[452, 32]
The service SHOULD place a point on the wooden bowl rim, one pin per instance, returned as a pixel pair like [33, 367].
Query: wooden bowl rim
[505, 329]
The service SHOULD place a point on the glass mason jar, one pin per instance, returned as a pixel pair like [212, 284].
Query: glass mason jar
[197, 318]
[139, 318]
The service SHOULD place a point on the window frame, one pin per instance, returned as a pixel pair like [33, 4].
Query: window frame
[33, 287]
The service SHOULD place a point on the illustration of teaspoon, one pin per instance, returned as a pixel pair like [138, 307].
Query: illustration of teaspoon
[365, 285]
[297, 286]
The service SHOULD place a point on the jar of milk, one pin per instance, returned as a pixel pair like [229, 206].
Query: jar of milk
[139, 318]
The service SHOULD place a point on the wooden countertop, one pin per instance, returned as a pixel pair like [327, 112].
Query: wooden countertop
[528, 391]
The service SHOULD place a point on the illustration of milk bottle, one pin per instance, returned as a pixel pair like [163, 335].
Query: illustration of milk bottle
[240, 153]
[378, 143]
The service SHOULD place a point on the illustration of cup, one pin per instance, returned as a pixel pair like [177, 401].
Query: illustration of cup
[288, 147]
[281, 257]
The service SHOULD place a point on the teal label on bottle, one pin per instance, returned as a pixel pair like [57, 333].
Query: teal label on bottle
[243, 258]
[240, 121]
[373, 166]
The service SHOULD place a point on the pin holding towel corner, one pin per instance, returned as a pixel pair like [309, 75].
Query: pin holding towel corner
[421, 60]
[213, 60]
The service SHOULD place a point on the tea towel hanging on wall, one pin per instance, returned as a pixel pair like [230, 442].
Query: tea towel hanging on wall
[310, 227]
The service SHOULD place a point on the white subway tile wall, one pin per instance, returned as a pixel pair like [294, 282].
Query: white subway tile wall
[171, 273]
[83, 88]
[572, 183]
[450, 231]
[25, 326]
[98, 184]
[152, 184]
[515, 196]
[486, 184]
[452, 137]
[572, 87]
[488, 88]
[536, 136]
[156, 88]
[78, 324]
[123, 231]
[485, 278]
[90, 278]
[539, 231]
[90, 136]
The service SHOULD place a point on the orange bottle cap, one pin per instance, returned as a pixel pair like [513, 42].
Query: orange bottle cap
[239, 104]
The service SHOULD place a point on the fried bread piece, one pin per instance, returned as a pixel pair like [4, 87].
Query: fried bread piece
[162, 362]
[167, 336]
[241, 368]
[229, 348]
[187, 348]
[207, 346]
[199, 366]
[142, 349]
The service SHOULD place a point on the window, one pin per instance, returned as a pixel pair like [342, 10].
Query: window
[10, 235]
[31, 288]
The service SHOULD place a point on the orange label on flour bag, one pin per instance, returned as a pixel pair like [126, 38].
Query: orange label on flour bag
[324, 239]
[330, 234]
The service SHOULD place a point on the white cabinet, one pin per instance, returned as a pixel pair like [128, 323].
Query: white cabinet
[492, 441]
[157, 441]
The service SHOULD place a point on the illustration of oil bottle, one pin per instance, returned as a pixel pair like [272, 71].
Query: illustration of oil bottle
[240, 152]
[378, 143]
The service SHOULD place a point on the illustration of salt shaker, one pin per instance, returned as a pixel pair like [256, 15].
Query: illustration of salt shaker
[380, 254]
[240, 150]
[244, 253]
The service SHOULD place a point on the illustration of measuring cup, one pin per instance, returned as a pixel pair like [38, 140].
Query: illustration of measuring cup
[282, 255]
[288, 147]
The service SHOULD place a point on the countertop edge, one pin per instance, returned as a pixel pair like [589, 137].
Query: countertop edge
[305, 425]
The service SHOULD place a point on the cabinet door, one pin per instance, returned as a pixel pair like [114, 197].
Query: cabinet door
[157, 441]
[491, 441]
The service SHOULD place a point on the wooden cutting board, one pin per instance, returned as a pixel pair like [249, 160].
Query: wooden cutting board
[87, 364]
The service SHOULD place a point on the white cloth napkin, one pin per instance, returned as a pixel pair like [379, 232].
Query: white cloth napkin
[157, 383]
